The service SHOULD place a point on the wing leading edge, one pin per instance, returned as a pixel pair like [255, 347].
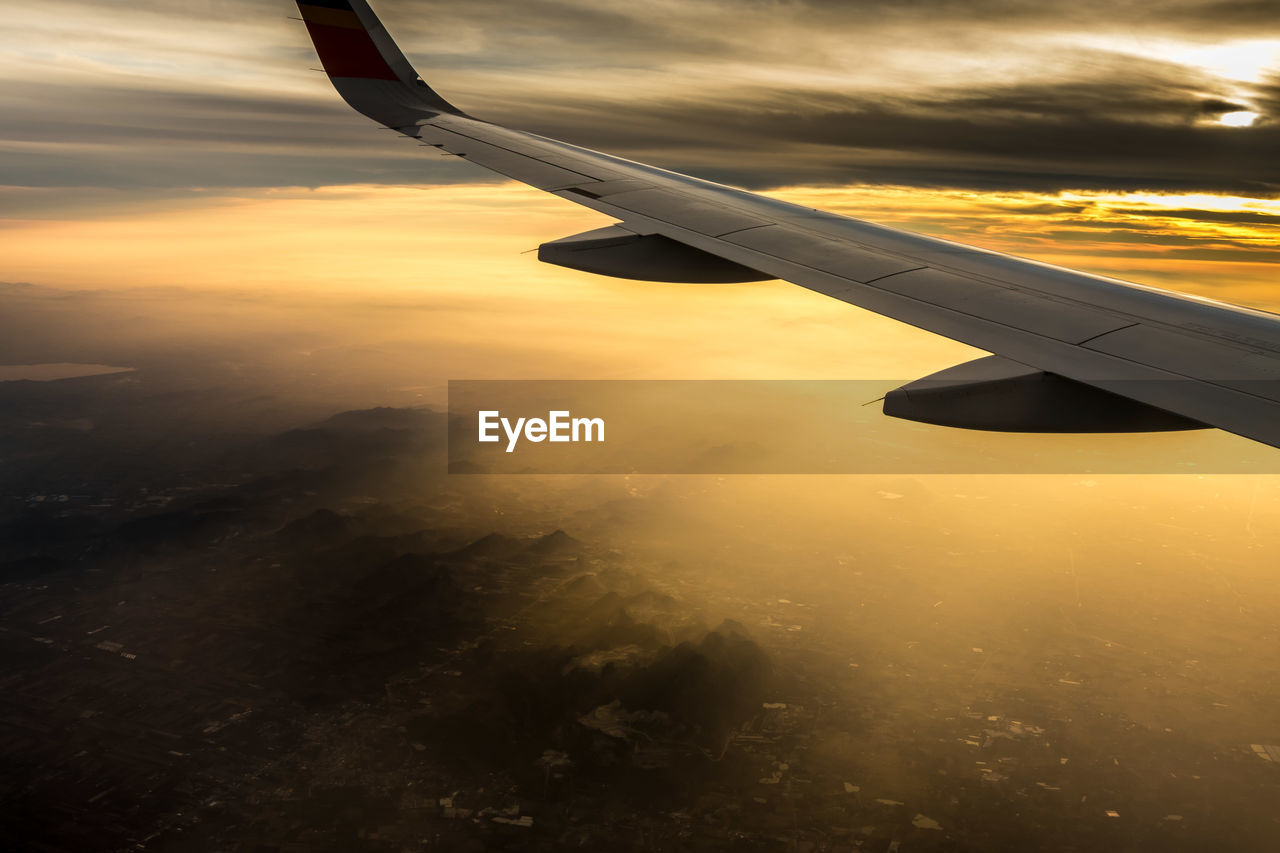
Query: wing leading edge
[1203, 361]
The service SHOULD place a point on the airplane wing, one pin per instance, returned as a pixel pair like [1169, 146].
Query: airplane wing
[1072, 352]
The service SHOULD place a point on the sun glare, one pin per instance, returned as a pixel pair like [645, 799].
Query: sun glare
[1240, 118]
[1243, 60]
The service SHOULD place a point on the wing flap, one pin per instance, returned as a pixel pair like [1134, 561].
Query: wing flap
[856, 263]
[608, 188]
[694, 214]
[530, 170]
[586, 167]
[1029, 311]
[1195, 357]
[519, 143]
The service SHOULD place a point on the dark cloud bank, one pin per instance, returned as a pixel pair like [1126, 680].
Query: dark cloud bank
[1092, 120]
[1099, 137]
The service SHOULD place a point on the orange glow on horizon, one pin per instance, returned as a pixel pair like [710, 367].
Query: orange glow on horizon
[461, 255]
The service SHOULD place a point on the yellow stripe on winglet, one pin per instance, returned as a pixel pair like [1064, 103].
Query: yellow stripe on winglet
[330, 17]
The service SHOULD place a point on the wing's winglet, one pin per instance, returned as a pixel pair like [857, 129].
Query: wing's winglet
[366, 66]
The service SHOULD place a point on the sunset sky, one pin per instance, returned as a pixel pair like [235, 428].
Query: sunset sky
[186, 143]
[253, 301]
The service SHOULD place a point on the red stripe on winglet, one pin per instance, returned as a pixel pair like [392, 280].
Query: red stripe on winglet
[349, 53]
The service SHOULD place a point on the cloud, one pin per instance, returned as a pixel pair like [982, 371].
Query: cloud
[116, 136]
[1092, 134]
[982, 94]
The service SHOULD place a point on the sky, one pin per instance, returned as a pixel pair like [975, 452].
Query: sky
[173, 143]
[985, 94]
